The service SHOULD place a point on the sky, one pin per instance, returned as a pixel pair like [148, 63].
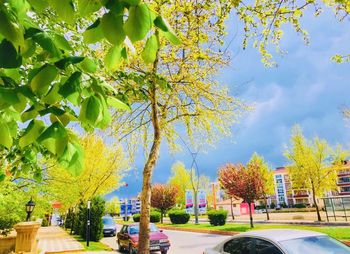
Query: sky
[306, 88]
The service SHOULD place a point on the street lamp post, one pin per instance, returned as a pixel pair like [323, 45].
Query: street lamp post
[72, 218]
[29, 208]
[126, 210]
[88, 224]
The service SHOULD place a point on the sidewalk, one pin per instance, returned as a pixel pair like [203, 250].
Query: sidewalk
[55, 240]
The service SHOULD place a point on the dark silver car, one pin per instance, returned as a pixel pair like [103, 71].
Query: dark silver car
[109, 226]
[280, 241]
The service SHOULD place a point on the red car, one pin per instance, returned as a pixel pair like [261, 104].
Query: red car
[128, 238]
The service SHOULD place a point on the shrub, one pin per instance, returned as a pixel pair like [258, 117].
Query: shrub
[6, 224]
[273, 205]
[155, 217]
[96, 213]
[44, 222]
[300, 206]
[136, 217]
[217, 217]
[178, 216]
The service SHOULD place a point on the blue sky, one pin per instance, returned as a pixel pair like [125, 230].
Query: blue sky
[306, 88]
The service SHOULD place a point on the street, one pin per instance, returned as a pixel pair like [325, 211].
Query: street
[181, 242]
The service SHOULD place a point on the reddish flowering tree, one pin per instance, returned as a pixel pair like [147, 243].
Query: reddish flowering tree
[163, 197]
[243, 182]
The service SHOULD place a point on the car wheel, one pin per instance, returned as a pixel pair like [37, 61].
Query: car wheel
[120, 248]
[131, 251]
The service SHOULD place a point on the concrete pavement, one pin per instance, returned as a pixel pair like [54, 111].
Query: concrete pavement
[181, 242]
[54, 239]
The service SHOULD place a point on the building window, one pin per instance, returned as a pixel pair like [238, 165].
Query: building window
[345, 189]
[344, 179]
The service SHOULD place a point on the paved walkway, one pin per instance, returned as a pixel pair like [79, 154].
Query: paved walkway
[55, 240]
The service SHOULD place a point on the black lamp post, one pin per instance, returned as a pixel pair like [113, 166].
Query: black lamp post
[29, 208]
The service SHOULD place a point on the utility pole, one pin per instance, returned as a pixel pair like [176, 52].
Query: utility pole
[126, 210]
[88, 224]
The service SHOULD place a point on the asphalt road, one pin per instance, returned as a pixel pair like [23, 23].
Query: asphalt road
[181, 242]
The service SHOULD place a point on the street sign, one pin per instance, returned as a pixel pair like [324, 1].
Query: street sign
[129, 210]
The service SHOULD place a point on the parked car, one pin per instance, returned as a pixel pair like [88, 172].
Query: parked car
[128, 238]
[280, 241]
[109, 226]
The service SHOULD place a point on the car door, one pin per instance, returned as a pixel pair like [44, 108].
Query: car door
[262, 246]
[241, 245]
[124, 239]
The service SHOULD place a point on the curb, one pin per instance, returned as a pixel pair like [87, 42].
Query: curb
[65, 251]
[213, 232]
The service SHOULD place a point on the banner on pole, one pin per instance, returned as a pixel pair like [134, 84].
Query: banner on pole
[189, 201]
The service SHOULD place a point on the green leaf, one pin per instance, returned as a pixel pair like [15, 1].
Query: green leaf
[54, 138]
[132, 2]
[87, 7]
[39, 5]
[149, 53]
[71, 88]
[5, 135]
[47, 43]
[28, 48]
[91, 111]
[10, 27]
[42, 80]
[118, 104]
[88, 65]
[93, 33]
[32, 132]
[8, 55]
[30, 113]
[171, 37]
[138, 23]
[8, 97]
[53, 96]
[106, 119]
[73, 158]
[113, 59]
[112, 27]
[64, 10]
[61, 42]
[65, 62]
[159, 22]
[21, 105]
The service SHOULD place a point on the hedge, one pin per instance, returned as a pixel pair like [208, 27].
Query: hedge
[136, 217]
[178, 216]
[155, 217]
[217, 217]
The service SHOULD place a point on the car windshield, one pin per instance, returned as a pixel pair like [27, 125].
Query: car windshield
[108, 221]
[133, 230]
[315, 244]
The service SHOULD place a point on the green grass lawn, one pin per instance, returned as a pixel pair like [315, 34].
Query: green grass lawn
[93, 246]
[341, 233]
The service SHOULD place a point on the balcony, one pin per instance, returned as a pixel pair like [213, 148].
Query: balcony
[344, 173]
[343, 183]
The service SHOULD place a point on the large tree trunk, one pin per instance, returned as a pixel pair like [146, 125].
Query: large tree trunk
[267, 210]
[315, 203]
[232, 215]
[250, 215]
[149, 166]
[147, 178]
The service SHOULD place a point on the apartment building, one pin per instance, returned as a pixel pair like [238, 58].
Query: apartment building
[343, 181]
[285, 194]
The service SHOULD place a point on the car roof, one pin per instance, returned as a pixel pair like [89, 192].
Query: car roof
[281, 234]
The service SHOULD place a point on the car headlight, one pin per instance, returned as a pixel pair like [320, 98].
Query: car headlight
[163, 241]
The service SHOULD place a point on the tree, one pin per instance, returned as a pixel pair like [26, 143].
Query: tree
[104, 166]
[176, 94]
[313, 165]
[113, 206]
[163, 198]
[243, 182]
[268, 187]
[47, 68]
[265, 21]
[179, 179]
